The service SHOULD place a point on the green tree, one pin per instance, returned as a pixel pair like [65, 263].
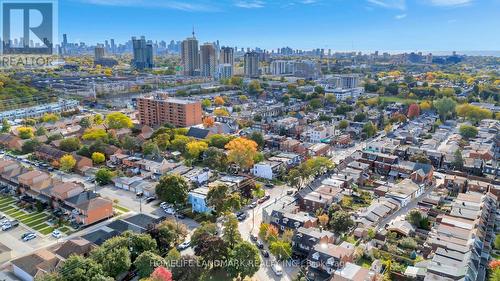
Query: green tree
[185, 272]
[209, 228]
[220, 200]
[215, 158]
[414, 217]
[468, 132]
[244, 260]
[497, 241]
[172, 189]
[282, 250]
[5, 126]
[78, 268]
[343, 124]
[206, 103]
[150, 148]
[258, 138]
[211, 248]
[118, 120]
[179, 143]
[231, 234]
[41, 131]
[114, 261]
[70, 144]
[341, 222]
[30, 146]
[445, 107]
[218, 140]
[458, 161]
[146, 263]
[168, 234]
[369, 129]
[103, 176]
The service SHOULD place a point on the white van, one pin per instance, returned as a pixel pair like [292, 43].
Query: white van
[278, 270]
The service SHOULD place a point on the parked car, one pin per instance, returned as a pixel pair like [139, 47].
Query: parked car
[278, 270]
[253, 237]
[265, 253]
[184, 245]
[260, 245]
[150, 199]
[289, 192]
[26, 234]
[56, 234]
[29, 237]
[242, 217]
[180, 216]
[6, 226]
[169, 211]
[269, 185]
[253, 205]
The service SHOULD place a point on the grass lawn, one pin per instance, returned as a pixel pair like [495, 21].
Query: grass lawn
[36, 222]
[33, 217]
[46, 230]
[7, 208]
[121, 209]
[398, 99]
[65, 229]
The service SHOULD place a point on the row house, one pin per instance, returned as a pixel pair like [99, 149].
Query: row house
[11, 142]
[325, 259]
[305, 239]
[52, 155]
[10, 171]
[321, 198]
[460, 243]
[88, 208]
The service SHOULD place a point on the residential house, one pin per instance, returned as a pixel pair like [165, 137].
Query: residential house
[268, 169]
[320, 198]
[354, 272]
[404, 192]
[198, 200]
[305, 239]
[35, 265]
[325, 259]
[11, 142]
[87, 208]
[52, 155]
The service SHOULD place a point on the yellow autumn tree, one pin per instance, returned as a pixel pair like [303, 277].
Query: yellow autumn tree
[67, 163]
[195, 148]
[219, 101]
[242, 152]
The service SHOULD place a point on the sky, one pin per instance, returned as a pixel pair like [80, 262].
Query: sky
[340, 25]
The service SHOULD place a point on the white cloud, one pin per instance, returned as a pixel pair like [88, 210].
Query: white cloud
[390, 4]
[166, 4]
[400, 17]
[450, 3]
[249, 4]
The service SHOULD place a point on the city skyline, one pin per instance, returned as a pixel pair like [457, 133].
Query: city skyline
[385, 25]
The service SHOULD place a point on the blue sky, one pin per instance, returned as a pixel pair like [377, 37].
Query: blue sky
[385, 25]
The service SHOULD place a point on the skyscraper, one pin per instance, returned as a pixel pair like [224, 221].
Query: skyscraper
[143, 53]
[190, 57]
[98, 52]
[252, 64]
[227, 55]
[208, 59]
